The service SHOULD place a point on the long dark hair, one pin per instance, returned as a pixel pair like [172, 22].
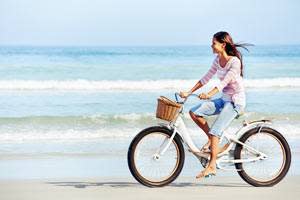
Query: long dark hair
[231, 47]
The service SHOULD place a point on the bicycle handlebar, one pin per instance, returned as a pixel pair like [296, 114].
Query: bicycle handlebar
[182, 102]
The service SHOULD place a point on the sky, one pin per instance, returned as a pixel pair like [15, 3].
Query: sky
[147, 22]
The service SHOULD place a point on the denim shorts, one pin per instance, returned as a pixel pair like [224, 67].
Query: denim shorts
[226, 110]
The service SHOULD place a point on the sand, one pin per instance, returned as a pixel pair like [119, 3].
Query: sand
[128, 189]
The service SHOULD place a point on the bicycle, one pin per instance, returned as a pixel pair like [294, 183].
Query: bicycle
[260, 153]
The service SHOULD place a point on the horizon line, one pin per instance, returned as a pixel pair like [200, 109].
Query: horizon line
[132, 45]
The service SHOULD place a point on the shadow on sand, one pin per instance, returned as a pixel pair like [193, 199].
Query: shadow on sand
[120, 184]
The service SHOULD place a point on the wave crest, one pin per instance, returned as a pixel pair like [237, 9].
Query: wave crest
[105, 85]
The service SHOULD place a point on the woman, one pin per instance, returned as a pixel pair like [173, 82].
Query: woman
[228, 66]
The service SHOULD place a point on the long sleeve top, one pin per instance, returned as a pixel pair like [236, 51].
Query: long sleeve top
[231, 81]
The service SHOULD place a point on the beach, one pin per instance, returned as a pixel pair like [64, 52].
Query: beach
[68, 115]
[106, 176]
[120, 188]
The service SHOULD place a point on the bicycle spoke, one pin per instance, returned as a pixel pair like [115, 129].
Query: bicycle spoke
[151, 168]
[267, 169]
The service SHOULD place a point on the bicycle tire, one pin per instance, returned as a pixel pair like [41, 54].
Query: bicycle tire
[131, 158]
[286, 154]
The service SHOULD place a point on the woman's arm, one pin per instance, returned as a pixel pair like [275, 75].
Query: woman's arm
[196, 87]
[211, 72]
[209, 94]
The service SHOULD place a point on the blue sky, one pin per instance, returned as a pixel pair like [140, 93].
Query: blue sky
[147, 22]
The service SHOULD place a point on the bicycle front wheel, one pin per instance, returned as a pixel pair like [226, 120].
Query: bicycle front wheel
[145, 161]
[267, 171]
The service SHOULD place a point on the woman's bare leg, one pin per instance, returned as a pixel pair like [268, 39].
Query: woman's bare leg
[201, 122]
[211, 168]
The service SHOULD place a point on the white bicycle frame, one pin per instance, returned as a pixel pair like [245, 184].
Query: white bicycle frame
[178, 126]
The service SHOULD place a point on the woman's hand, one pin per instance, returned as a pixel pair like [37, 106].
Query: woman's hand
[204, 96]
[184, 94]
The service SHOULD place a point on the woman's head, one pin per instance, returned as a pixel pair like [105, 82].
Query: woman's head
[222, 41]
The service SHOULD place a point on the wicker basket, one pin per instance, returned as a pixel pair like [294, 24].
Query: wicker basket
[167, 109]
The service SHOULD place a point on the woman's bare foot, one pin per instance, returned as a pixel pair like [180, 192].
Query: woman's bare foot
[209, 171]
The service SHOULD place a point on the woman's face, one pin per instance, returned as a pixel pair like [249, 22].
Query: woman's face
[217, 47]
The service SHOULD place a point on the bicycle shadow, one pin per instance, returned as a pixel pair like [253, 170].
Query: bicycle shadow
[120, 184]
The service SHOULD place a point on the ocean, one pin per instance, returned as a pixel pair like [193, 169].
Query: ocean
[60, 106]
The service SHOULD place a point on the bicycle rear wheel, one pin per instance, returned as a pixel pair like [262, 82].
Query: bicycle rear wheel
[268, 171]
[145, 162]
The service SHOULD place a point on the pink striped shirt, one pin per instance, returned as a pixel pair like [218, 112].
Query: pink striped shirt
[231, 82]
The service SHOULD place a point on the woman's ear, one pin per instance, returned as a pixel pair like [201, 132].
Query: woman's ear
[223, 45]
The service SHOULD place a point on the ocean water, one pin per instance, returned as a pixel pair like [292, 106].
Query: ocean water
[63, 104]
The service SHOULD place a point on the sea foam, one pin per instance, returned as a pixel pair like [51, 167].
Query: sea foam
[104, 85]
